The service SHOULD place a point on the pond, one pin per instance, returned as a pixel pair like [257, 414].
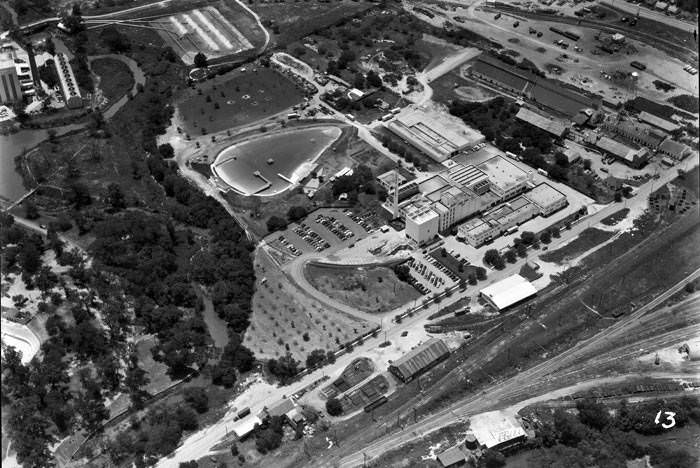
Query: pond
[12, 145]
[270, 164]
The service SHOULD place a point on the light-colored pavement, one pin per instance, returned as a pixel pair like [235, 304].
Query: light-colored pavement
[21, 338]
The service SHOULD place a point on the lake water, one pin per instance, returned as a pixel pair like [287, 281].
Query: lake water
[11, 186]
[290, 152]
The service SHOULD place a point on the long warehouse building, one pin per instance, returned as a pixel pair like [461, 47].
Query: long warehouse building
[420, 359]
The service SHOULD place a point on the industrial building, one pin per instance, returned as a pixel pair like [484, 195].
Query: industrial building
[658, 122]
[563, 100]
[434, 133]
[10, 90]
[543, 200]
[461, 191]
[69, 87]
[674, 150]
[547, 198]
[508, 292]
[635, 157]
[554, 127]
[634, 132]
[420, 359]
[244, 427]
[421, 223]
[16, 79]
[496, 430]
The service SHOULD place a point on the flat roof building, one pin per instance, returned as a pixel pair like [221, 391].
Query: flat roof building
[496, 429]
[551, 126]
[547, 198]
[10, 89]
[244, 427]
[437, 134]
[508, 292]
[419, 359]
[422, 223]
[506, 179]
[69, 87]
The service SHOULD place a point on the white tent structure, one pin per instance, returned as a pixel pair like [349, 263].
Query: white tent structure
[508, 291]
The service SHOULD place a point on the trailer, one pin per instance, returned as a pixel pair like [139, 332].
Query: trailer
[638, 65]
[567, 34]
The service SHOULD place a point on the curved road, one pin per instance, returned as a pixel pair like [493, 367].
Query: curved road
[21, 338]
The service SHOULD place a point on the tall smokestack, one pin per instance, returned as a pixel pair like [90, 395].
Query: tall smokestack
[396, 194]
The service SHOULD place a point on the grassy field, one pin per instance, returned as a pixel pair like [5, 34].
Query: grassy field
[453, 85]
[588, 239]
[285, 319]
[375, 289]
[230, 101]
[115, 77]
[616, 217]
[295, 20]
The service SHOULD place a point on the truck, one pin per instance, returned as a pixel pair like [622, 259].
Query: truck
[542, 172]
[350, 117]
[386, 117]
[292, 116]
[243, 413]
[638, 65]
[511, 155]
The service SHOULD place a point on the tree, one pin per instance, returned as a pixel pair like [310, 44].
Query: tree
[480, 273]
[296, 213]
[373, 79]
[115, 197]
[587, 164]
[561, 159]
[592, 414]
[30, 210]
[492, 459]
[618, 197]
[546, 237]
[334, 407]
[493, 258]
[197, 398]
[316, 357]
[528, 237]
[275, 223]
[200, 60]
[284, 368]
[510, 256]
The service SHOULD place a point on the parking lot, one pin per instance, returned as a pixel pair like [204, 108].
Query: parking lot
[323, 231]
[430, 275]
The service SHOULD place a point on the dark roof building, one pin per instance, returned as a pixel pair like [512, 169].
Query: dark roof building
[553, 95]
[551, 126]
[419, 359]
[674, 149]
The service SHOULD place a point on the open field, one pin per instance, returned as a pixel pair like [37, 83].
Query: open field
[291, 21]
[237, 99]
[587, 240]
[372, 289]
[115, 78]
[284, 319]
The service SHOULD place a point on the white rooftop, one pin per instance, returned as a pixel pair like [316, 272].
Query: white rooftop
[495, 427]
[509, 291]
[246, 426]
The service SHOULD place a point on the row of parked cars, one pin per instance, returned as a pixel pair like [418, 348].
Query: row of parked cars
[283, 240]
[423, 270]
[313, 238]
[362, 221]
[443, 269]
[336, 227]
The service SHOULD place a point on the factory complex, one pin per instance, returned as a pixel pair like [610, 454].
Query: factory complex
[495, 188]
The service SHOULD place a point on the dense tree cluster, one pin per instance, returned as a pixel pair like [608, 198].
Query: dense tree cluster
[284, 368]
[268, 436]
[493, 258]
[334, 407]
[594, 437]
[361, 180]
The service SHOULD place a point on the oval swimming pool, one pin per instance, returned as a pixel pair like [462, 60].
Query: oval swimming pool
[269, 164]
